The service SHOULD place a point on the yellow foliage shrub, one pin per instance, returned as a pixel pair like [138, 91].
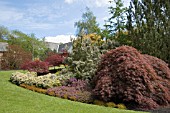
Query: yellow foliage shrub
[98, 102]
[121, 106]
[111, 104]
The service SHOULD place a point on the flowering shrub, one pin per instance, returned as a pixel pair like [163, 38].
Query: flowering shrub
[46, 81]
[71, 93]
[76, 90]
[36, 66]
[125, 76]
[78, 84]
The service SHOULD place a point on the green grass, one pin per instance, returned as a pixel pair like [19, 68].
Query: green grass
[14, 99]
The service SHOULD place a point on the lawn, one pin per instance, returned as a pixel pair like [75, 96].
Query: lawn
[14, 99]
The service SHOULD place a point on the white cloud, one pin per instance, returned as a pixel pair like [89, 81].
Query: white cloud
[100, 3]
[59, 38]
[69, 1]
[32, 17]
[97, 3]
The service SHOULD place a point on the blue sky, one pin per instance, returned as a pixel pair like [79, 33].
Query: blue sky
[50, 18]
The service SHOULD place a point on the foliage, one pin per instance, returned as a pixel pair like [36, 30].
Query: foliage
[111, 104]
[124, 76]
[71, 93]
[76, 90]
[58, 68]
[28, 42]
[160, 67]
[84, 59]
[99, 102]
[148, 26]
[88, 24]
[36, 66]
[116, 23]
[95, 39]
[46, 81]
[34, 88]
[14, 57]
[19, 100]
[55, 60]
[86, 55]
[78, 84]
[121, 106]
[4, 33]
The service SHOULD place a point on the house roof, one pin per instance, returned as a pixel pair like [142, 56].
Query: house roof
[3, 46]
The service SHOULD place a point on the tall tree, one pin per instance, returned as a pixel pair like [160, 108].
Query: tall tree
[28, 43]
[149, 27]
[4, 32]
[15, 57]
[116, 23]
[88, 24]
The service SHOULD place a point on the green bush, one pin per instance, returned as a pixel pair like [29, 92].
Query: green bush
[84, 59]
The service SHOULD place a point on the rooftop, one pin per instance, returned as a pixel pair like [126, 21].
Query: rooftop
[3, 46]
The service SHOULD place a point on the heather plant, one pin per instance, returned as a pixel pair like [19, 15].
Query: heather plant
[77, 90]
[78, 84]
[125, 76]
[71, 93]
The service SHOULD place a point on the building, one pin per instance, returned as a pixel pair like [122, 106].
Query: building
[3, 48]
[53, 46]
[59, 47]
[67, 46]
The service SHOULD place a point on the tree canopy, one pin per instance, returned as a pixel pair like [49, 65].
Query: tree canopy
[88, 24]
[148, 26]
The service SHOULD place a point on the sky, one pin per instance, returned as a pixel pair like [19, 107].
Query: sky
[53, 19]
